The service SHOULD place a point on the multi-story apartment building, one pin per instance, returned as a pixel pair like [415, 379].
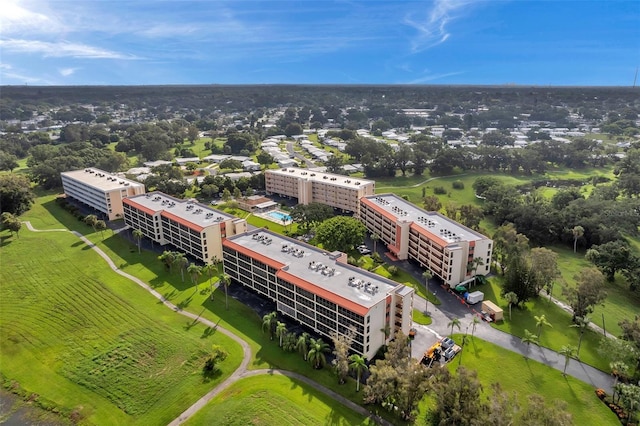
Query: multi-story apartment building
[307, 186]
[448, 249]
[100, 190]
[194, 228]
[319, 289]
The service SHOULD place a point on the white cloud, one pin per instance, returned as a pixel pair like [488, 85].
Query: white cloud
[61, 49]
[15, 19]
[433, 30]
[66, 72]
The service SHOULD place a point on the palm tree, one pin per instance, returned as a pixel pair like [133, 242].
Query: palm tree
[317, 349]
[168, 258]
[477, 261]
[474, 323]
[269, 322]
[194, 272]
[512, 299]
[182, 262]
[137, 235]
[91, 220]
[225, 280]
[210, 269]
[541, 321]
[281, 330]
[455, 322]
[529, 338]
[568, 352]
[303, 344]
[427, 275]
[375, 238]
[358, 364]
[577, 231]
[101, 225]
[582, 323]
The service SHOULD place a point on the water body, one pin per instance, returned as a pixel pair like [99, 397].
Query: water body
[15, 412]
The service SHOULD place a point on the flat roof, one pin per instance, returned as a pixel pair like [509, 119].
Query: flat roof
[101, 180]
[190, 211]
[316, 176]
[432, 222]
[320, 268]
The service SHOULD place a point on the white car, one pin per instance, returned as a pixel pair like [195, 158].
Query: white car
[364, 250]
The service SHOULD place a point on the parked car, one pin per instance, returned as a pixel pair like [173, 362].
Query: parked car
[451, 352]
[364, 250]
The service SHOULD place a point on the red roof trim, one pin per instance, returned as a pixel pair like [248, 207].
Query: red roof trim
[379, 209]
[257, 256]
[140, 207]
[429, 235]
[181, 221]
[338, 300]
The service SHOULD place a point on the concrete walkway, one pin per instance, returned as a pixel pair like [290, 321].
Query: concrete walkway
[241, 371]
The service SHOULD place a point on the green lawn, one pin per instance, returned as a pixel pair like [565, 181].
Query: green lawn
[271, 400]
[559, 334]
[524, 377]
[620, 303]
[88, 340]
[421, 318]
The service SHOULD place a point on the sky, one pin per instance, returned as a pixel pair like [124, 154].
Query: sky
[130, 42]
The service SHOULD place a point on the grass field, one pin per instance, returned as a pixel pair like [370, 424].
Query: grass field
[524, 377]
[559, 334]
[271, 400]
[88, 340]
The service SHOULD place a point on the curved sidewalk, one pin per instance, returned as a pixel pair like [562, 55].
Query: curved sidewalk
[241, 371]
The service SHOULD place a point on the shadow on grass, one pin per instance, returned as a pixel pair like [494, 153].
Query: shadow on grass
[208, 376]
[5, 240]
[184, 303]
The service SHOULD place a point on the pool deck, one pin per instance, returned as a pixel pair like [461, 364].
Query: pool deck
[273, 219]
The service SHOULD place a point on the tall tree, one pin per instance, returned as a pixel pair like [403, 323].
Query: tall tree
[194, 272]
[457, 398]
[544, 263]
[568, 352]
[281, 331]
[137, 235]
[225, 280]
[341, 345]
[474, 324]
[375, 238]
[589, 291]
[610, 257]
[578, 232]
[512, 299]
[541, 321]
[269, 322]
[359, 365]
[302, 345]
[427, 275]
[168, 258]
[210, 269]
[340, 233]
[91, 220]
[582, 324]
[181, 262]
[317, 351]
[16, 196]
[455, 322]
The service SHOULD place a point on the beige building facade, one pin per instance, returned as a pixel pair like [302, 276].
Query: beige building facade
[100, 190]
[308, 186]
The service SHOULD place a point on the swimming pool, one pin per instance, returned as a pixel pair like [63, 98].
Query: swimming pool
[279, 216]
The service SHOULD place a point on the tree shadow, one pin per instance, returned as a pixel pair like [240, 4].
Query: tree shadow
[5, 240]
[167, 296]
[77, 243]
[184, 303]
[208, 376]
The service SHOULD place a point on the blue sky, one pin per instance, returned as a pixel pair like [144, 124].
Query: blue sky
[106, 42]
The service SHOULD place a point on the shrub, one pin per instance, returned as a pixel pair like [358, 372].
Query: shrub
[439, 190]
[376, 257]
[458, 184]
[393, 270]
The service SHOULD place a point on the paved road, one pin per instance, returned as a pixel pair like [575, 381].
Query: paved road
[310, 164]
[450, 308]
